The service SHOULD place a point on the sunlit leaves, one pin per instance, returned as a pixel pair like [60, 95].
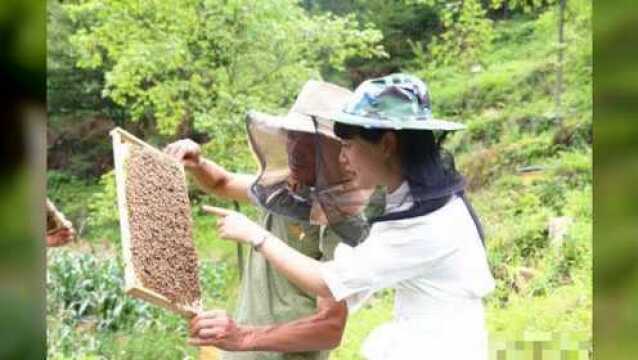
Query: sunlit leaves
[206, 62]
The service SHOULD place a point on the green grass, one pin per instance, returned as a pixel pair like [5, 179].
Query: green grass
[512, 125]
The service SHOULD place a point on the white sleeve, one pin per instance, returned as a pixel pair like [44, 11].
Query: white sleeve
[354, 301]
[251, 197]
[393, 253]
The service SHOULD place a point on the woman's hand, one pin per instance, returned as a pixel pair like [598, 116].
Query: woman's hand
[234, 226]
[216, 328]
[300, 269]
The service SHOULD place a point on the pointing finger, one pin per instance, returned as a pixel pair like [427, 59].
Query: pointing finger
[216, 211]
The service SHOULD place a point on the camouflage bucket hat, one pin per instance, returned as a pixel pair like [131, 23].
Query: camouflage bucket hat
[396, 101]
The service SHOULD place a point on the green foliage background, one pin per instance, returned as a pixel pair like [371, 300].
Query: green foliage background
[171, 69]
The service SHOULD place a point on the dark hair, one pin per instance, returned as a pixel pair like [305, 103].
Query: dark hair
[428, 169]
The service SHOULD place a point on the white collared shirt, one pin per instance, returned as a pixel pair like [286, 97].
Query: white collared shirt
[438, 267]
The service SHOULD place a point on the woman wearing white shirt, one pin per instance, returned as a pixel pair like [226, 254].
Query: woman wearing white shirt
[427, 245]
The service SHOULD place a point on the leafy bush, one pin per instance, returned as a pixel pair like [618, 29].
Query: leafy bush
[205, 63]
[467, 36]
[87, 307]
[103, 210]
[486, 129]
[574, 168]
[87, 287]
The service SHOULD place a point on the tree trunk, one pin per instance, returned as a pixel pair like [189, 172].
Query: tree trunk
[561, 55]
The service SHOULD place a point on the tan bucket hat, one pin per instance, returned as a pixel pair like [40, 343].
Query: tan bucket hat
[318, 99]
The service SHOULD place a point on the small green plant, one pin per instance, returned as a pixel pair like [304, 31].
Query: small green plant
[103, 209]
[88, 309]
[84, 286]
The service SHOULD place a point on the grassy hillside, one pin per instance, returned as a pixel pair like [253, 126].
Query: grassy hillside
[528, 165]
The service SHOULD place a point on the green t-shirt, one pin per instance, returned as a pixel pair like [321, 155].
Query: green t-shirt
[268, 298]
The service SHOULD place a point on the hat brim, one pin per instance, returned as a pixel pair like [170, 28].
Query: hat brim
[320, 99]
[366, 122]
[292, 122]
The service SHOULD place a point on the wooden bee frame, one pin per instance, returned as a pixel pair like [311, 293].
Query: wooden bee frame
[122, 143]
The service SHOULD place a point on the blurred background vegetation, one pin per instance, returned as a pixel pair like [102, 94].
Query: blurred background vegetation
[517, 72]
[615, 200]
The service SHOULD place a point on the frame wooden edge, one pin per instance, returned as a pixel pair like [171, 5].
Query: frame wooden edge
[126, 136]
[120, 152]
[133, 286]
[159, 300]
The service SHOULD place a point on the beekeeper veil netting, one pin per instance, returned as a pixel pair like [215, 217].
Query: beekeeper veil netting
[398, 107]
[300, 168]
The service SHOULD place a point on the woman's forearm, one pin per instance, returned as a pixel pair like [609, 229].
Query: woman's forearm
[298, 268]
[301, 270]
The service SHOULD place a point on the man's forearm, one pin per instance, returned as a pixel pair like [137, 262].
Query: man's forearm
[215, 179]
[320, 331]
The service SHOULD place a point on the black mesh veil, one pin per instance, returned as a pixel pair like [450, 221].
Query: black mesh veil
[429, 172]
[299, 168]
[303, 177]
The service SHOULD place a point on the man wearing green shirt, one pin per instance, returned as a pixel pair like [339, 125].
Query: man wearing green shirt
[274, 318]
